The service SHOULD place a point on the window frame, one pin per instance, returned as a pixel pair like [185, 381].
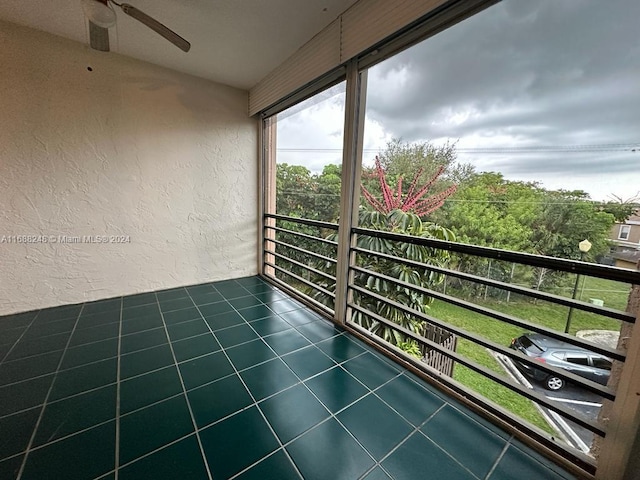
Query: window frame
[625, 232]
[355, 70]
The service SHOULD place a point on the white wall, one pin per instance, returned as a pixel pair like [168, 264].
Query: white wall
[132, 149]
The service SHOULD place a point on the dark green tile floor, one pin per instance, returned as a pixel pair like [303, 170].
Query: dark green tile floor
[226, 380]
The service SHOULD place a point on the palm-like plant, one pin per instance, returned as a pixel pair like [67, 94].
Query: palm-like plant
[405, 223]
[398, 213]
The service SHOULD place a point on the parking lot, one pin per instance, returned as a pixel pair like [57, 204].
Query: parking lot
[581, 402]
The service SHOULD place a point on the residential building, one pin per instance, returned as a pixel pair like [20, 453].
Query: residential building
[626, 235]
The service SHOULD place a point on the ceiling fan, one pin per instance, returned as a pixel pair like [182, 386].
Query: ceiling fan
[102, 16]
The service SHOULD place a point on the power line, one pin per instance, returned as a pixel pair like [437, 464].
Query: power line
[596, 148]
[461, 200]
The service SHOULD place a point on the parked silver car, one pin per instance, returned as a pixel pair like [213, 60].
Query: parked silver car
[563, 355]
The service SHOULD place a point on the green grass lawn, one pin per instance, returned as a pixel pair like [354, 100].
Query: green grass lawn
[541, 313]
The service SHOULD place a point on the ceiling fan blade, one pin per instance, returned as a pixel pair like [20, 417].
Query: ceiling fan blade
[156, 26]
[98, 37]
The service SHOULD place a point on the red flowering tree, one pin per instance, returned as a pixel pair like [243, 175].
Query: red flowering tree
[399, 213]
[413, 201]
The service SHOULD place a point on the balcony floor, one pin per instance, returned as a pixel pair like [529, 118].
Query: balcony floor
[227, 380]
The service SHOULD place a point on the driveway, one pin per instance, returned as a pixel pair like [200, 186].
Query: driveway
[579, 401]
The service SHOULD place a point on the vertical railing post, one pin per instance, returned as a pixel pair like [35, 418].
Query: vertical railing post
[350, 186]
[619, 452]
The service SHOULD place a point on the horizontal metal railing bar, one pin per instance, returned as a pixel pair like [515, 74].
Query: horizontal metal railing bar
[486, 372]
[300, 279]
[298, 249]
[304, 221]
[550, 297]
[572, 266]
[594, 387]
[303, 235]
[471, 398]
[312, 303]
[503, 317]
[302, 265]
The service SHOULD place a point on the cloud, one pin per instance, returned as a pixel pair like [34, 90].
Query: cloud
[522, 74]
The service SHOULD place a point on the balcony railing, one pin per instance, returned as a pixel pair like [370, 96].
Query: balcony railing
[314, 267]
[292, 256]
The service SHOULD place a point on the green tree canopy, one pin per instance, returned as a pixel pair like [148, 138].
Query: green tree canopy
[300, 193]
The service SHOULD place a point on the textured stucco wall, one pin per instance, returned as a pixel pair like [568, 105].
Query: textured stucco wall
[126, 149]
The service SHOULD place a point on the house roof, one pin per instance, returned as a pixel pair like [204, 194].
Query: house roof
[632, 256]
[233, 42]
[633, 220]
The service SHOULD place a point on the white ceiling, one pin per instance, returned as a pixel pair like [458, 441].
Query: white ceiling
[234, 42]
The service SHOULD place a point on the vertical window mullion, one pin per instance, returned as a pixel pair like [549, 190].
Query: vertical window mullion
[350, 188]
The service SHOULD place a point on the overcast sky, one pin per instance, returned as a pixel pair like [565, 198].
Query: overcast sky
[555, 83]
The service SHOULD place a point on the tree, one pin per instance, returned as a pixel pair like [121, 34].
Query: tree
[412, 201]
[327, 200]
[406, 223]
[489, 210]
[301, 194]
[294, 188]
[620, 208]
[567, 218]
[395, 212]
[404, 160]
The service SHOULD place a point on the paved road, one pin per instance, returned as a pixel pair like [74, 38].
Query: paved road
[580, 401]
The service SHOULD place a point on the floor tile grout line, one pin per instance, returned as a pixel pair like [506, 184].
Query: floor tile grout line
[156, 450]
[277, 356]
[415, 429]
[118, 384]
[35, 377]
[46, 398]
[372, 468]
[269, 455]
[104, 475]
[67, 348]
[73, 434]
[303, 382]
[86, 364]
[35, 355]
[534, 456]
[17, 412]
[371, 392]
[418, 430]
[184, 391]
[70, 347]
[464, 411]
[19, 338]
[152, 404]
[13, 455]
[498, 459]
[38, 447]
[375, 392]
[198, 429]
[29, 337]
[255, 403]
[422, 424]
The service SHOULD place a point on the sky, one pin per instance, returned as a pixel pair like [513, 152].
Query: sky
[538, 90]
